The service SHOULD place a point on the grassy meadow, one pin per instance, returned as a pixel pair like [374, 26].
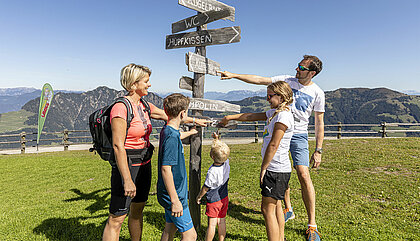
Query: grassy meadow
[367, 189]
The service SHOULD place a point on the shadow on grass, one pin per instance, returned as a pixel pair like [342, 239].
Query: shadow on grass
[100, 201]
[238, 212]
[70, 229]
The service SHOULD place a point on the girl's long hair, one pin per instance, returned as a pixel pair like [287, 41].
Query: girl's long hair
[283, 90]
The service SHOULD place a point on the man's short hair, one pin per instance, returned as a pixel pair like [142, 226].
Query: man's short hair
[315, 63]
[219, 151]
[175, 103]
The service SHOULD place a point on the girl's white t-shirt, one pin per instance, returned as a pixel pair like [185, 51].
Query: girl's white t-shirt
[280, 161]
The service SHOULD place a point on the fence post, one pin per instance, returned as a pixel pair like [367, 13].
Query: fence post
[66, 139]
[256, 132]
[339, 130]
[383, 124]
[22, 142]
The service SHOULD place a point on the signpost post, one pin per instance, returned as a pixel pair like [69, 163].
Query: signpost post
[208, 11]
[195, 147]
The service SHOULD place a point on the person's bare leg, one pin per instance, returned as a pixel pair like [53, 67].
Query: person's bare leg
[211, 229]
[169, 232]
[113, 227]
[189, 235]
[280, 219]
[308, 192]
[135, 220]
[268, 209]
[221, 228]
[287, 203]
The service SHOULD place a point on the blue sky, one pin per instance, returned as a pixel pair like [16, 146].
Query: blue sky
[80, 45]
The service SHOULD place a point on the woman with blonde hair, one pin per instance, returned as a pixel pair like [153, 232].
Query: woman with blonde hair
[275, 168]
[131, 176]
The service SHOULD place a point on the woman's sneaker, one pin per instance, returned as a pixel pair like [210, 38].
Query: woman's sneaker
[313, 234]
[288, 214]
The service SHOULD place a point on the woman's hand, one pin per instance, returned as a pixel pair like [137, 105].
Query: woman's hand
[129, 189]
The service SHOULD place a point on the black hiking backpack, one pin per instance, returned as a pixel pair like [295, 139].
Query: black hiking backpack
[100, 127]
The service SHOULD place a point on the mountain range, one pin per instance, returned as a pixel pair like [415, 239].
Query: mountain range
[351, 105]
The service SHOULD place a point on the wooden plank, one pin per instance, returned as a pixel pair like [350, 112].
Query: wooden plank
[213, 105]
[204, 37]
[199, 64]
[186, 83]
[208, 5]
[199, 19]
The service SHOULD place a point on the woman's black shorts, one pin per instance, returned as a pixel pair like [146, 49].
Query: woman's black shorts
[141, 174]
[275, 184]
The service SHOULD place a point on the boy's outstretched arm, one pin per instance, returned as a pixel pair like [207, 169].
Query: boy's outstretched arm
[203, 192]
[247, 78]
[186, 134]
[177, 209]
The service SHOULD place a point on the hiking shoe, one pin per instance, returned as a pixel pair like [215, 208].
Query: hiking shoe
[313, 234]
[288, 214]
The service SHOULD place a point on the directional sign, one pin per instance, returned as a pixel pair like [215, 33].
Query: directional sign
[203, 38]
[208, 5]
[200, 64]
[186, 83]
[199, 19]
[213, 105]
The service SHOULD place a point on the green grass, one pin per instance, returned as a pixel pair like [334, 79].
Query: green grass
[367, 189]
[14, 120]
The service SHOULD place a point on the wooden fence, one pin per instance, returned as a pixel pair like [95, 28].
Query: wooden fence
[245, 129]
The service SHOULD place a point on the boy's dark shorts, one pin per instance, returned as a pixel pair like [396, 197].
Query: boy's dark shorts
[141, 174]
[275, 184]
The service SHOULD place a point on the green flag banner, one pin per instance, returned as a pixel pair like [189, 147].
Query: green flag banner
[44, 105]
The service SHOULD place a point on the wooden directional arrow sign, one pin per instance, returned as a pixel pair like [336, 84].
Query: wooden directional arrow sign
[203, 38]
[199, 19]
[208, 5]
[199, 64]
[186, 83]
[213, 105]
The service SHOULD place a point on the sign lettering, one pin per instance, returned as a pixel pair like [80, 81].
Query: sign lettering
[199, 19]
[203, 38]
[208, 5]
[213, 105]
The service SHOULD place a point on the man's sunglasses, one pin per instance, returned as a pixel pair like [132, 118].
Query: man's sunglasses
[301, 68]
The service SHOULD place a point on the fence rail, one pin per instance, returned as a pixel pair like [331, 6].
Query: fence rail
[255, 128]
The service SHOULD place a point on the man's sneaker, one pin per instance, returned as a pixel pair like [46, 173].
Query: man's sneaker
[313, 234]
[288, 214]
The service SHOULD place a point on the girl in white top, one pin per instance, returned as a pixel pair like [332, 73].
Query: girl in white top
[276, 167]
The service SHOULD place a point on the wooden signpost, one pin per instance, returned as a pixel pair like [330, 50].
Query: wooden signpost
[203, 38]
[199, 64]
[208, 5]
[208, 11]
[199, 19]
[186, 83]
[213, 105]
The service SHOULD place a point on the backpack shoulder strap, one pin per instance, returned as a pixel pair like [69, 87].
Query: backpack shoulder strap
[130, 112]
[146, 106]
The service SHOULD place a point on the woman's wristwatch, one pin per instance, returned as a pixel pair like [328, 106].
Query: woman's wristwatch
[319, 150]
